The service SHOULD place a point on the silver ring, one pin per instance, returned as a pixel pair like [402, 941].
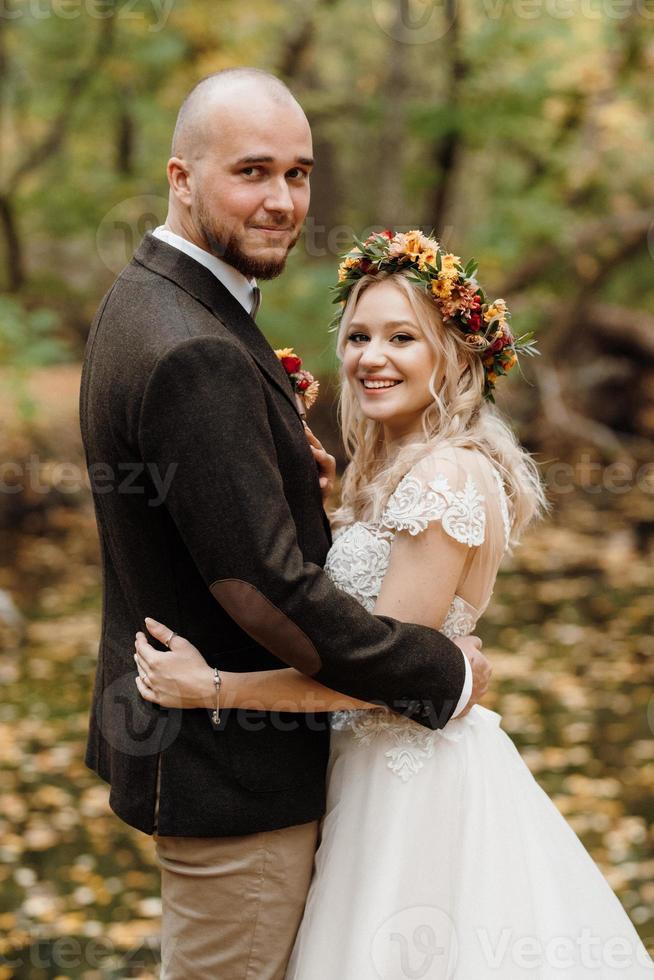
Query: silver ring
[170, 638]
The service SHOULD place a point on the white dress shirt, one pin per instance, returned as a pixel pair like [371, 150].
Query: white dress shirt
[243, 290]
[467, 689]
[239, 286]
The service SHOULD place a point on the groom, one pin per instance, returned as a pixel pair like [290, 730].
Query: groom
[219, 531]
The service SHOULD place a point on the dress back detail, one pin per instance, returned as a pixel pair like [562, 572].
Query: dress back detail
[464, 491]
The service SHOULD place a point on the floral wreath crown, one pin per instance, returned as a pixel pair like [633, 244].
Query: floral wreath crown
[454, 288]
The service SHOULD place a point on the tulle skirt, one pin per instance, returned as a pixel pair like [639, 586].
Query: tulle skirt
[441, 858]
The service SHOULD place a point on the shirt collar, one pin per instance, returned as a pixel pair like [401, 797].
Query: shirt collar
[239, 286]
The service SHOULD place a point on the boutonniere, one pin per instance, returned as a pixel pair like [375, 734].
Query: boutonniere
[303, 382]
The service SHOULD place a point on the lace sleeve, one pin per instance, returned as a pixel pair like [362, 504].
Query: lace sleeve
[440, 488]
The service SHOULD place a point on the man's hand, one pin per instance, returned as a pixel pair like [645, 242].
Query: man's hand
[481, 669]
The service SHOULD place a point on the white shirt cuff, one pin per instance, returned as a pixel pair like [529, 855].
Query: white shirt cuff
[467, 689]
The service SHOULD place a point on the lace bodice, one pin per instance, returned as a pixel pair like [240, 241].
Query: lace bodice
[358, 561]
[360, 554]
[470, 503]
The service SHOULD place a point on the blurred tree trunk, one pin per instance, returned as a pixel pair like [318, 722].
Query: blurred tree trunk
[390, 206]
[298, 70]
[125, 138]
[596, 380]
[326, 191]
[572, 329]
[446, 152]
[14, 255]
[13, 249]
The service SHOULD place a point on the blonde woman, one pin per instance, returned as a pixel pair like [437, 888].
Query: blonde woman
[440, 855]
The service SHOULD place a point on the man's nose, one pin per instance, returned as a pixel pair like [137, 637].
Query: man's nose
[279, 197]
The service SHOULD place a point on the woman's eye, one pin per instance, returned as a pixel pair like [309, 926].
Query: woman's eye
[357, 337]
[403, 337]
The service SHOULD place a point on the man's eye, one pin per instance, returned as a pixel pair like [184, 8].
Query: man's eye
[250, 171]
[297, 174]
[357, 337]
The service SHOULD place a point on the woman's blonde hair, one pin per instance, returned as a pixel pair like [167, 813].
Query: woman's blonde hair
[458, 416]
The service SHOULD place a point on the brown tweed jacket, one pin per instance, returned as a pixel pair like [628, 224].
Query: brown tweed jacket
[210, 520]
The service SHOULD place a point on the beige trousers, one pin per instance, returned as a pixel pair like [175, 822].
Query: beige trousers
[232, 905]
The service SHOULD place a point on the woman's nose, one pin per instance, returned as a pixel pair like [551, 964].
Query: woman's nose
[372, 356]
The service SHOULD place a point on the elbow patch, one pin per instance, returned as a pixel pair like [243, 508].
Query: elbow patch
[266, 624]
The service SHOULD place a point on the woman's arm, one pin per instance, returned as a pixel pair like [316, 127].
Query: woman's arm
[181, 678]
[422, 577]
[418, 588]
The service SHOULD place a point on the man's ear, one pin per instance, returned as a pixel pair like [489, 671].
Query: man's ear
[178, 172]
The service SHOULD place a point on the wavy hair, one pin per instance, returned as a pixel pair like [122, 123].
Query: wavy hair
[457, 416]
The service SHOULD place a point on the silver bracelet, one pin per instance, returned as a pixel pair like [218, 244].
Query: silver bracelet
[217, 680]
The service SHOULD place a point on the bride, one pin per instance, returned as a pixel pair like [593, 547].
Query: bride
[440, 857]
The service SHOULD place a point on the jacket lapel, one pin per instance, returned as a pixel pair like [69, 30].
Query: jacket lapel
[200, 282]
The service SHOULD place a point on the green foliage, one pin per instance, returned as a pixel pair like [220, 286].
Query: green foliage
[535, 124]
[28, 338]
[296, 312]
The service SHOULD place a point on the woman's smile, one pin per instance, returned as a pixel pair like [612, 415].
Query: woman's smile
[375, 385]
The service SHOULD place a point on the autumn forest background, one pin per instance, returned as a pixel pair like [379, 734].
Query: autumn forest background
[522, 132]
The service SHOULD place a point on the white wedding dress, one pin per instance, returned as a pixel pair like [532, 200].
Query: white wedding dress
[441, 858]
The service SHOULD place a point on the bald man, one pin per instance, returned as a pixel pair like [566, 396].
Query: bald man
[239, 171]
[210, 518]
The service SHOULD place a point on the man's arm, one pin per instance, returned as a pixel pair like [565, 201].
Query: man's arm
[204, 413]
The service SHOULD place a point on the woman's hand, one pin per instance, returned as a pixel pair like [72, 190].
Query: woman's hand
[326, 464]
[178, 677]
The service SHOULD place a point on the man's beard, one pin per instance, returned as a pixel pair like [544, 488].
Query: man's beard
[226, 245]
